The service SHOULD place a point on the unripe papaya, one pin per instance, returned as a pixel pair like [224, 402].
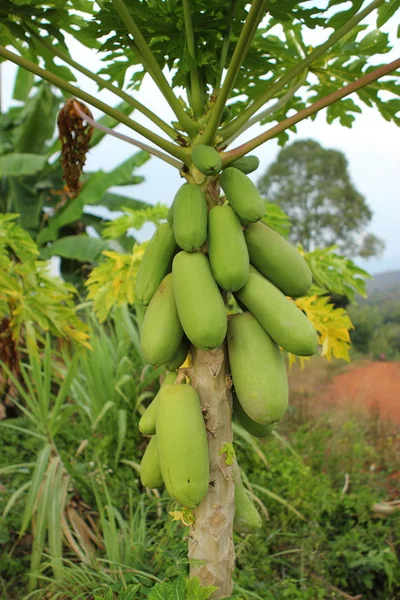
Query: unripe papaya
[162, 332]
[286, 324]
[182, 444]
[242, 195]
[258, 370]
[246, 164]
[248, 424]
[247, 518]
[180, 355]
[227, 248]
[206, 159]
[279, 261]
[156, 263]
[199, 302]
[147, 423]
[150, 473]
[190, 217]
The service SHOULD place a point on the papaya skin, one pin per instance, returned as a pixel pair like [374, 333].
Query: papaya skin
[156, 263]
[242, 195]
[161, 333]
[259, 431]
[247, 518]
[147, 423]
[227, 250]
[150, 473]
[278, 260]
[182, 444]
[199, 302]
[258, 370]
[179, 357]
[206, 159]
[190, 217]
[246, 164]
[286, 324]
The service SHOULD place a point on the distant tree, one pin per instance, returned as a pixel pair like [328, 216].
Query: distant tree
[313, 186]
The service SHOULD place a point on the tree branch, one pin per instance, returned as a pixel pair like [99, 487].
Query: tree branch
[103, 83]
[230, 129]
[226, 41]
[196, 96]
[155, 71]
[228, 157]
[239, 54]
[165, 157]
[169, 147]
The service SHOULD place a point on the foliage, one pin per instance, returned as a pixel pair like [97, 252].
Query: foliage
[29, 293]
[32, 181]
[312, 185]
[280, 43]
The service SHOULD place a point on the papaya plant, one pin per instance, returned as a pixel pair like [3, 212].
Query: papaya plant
[239, 63]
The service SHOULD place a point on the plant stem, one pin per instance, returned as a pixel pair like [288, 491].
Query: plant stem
[226, 42]
[230, 129]
[210, 539]
[165, 157]
[196, 94]
[154, 68]
[236, 153]
[239, 54]
[103, 83]
[271, 110]
[169, 147]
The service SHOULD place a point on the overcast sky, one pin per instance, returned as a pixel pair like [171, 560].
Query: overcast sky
[372, 148]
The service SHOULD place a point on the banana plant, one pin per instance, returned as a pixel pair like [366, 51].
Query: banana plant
[32, 185]
[239, 63]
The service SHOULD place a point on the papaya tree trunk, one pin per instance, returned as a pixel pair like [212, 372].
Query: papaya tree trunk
[210, 539]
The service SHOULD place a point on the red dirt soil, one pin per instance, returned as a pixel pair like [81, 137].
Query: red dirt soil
[374, 386]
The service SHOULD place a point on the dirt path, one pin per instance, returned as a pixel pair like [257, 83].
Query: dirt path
[374, 385]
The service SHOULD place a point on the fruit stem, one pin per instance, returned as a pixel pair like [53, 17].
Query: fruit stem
[211, 538]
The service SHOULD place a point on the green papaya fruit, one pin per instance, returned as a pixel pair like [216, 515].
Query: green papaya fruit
[279, 261]
[147, 423]
[156, 263]
[227, 250]
[286, 324]
[247, 518]
[246, 164]
[190, 217]
[258, 370]
[242, 195]
[162, 332]
[248, 424]
[180, 355]
[182, 444]
[199, 302]
[150, 473]
[206, 159]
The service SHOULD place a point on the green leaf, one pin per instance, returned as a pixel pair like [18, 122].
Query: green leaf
[196, 592]
[386, 11]
[116, 202]
[129, 593]
[76, 247]
[23, 84]
[161, 591]
[21, 164]
[36, 481]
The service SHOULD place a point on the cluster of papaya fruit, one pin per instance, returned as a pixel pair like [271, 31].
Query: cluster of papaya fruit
[190, 264]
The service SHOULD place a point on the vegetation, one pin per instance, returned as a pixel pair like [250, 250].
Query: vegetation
[231, 64]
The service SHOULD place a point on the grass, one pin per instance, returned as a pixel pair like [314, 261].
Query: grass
[315, 482]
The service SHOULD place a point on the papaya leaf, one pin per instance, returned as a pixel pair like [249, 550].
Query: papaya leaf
[23, 85]
[135, 219]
